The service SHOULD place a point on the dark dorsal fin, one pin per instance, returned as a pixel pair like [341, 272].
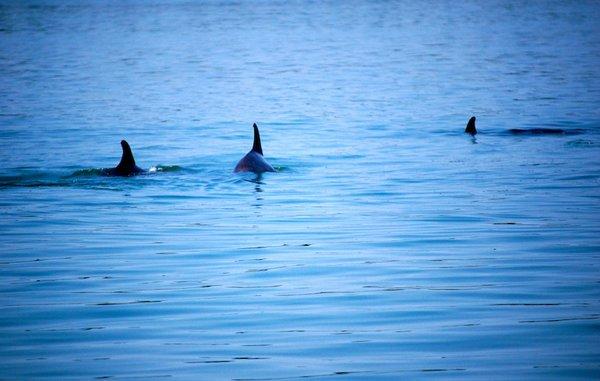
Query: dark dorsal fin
[471, 127]
[127, 160]
[256, 147]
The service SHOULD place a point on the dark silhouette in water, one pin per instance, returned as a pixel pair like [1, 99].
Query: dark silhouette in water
[471, 130]
[543, 131]
[254, 160]
[126, 166]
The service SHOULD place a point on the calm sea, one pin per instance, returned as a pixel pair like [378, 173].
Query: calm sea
[389, 245]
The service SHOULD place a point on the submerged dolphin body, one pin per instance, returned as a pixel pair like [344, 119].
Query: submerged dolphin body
[126, 166]
[254, 160]
[470, 129]
[544, 131]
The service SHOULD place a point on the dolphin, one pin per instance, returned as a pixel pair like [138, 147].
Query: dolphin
[471, 130]
[126, 166]
[254, 160]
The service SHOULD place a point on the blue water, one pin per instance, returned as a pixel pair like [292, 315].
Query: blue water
[389, 245]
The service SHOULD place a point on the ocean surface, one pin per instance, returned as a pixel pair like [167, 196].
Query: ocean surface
[389, 245]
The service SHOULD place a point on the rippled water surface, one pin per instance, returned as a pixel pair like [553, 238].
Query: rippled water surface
[389, 245]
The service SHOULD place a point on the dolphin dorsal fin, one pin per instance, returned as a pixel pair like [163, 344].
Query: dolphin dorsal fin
[471, 127]
[256, 147]
[127, 160]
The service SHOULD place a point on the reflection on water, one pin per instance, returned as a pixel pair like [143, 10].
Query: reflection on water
[389, 244]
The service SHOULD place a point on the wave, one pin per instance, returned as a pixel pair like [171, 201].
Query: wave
[93, 172]
[165, 168]
[90, 176]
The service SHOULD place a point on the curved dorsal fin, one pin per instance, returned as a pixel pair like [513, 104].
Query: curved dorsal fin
[471, 127]
[127, 160]
[256, 147]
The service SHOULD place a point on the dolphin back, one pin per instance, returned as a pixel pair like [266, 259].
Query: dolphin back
[126, 166]
[253, 162]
